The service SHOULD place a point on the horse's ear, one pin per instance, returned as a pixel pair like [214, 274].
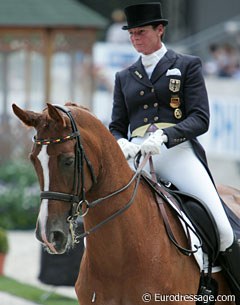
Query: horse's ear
[29, 118]
[56, 115]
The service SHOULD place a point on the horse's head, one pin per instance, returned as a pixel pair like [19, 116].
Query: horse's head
[64, 171]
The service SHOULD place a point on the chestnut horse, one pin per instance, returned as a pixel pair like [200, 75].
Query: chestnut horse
[129, 260]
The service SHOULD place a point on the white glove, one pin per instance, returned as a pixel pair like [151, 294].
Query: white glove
[129, 149]
[153, 143]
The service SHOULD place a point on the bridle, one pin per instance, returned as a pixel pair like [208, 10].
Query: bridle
[78, 198]
[80, 205]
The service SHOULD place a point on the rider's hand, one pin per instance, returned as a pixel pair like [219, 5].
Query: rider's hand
[153, 143]
[129, 149]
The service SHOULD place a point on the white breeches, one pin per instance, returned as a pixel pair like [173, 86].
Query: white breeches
[180, 166]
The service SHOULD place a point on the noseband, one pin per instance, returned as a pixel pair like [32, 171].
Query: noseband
[78, 198]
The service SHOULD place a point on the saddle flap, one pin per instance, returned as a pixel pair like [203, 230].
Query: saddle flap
[203, 221]
[196, 211]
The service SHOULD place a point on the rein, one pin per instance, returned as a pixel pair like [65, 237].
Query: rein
[136, 177]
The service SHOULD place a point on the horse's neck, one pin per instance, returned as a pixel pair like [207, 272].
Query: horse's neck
[112, 239]
[114, 173]
[112, 244]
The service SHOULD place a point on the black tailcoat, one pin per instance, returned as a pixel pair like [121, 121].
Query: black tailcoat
[139, 100]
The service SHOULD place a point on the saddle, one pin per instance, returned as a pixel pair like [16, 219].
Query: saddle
[196, 211]
[202, 220]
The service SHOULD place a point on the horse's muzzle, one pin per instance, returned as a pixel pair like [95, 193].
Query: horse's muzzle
[55, 240]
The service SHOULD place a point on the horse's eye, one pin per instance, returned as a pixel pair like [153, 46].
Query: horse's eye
[69, 161]
[66, 160]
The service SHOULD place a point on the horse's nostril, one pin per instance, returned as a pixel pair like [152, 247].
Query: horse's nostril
[58, 239]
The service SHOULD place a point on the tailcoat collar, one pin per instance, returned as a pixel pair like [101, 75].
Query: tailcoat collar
[138, 72]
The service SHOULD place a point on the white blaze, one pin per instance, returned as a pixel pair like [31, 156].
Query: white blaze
[43, 157]
[43, 214]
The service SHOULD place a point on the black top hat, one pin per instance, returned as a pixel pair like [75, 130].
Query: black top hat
[143, 14]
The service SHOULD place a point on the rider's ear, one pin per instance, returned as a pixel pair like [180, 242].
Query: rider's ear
[29, 118]
[56, 115]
